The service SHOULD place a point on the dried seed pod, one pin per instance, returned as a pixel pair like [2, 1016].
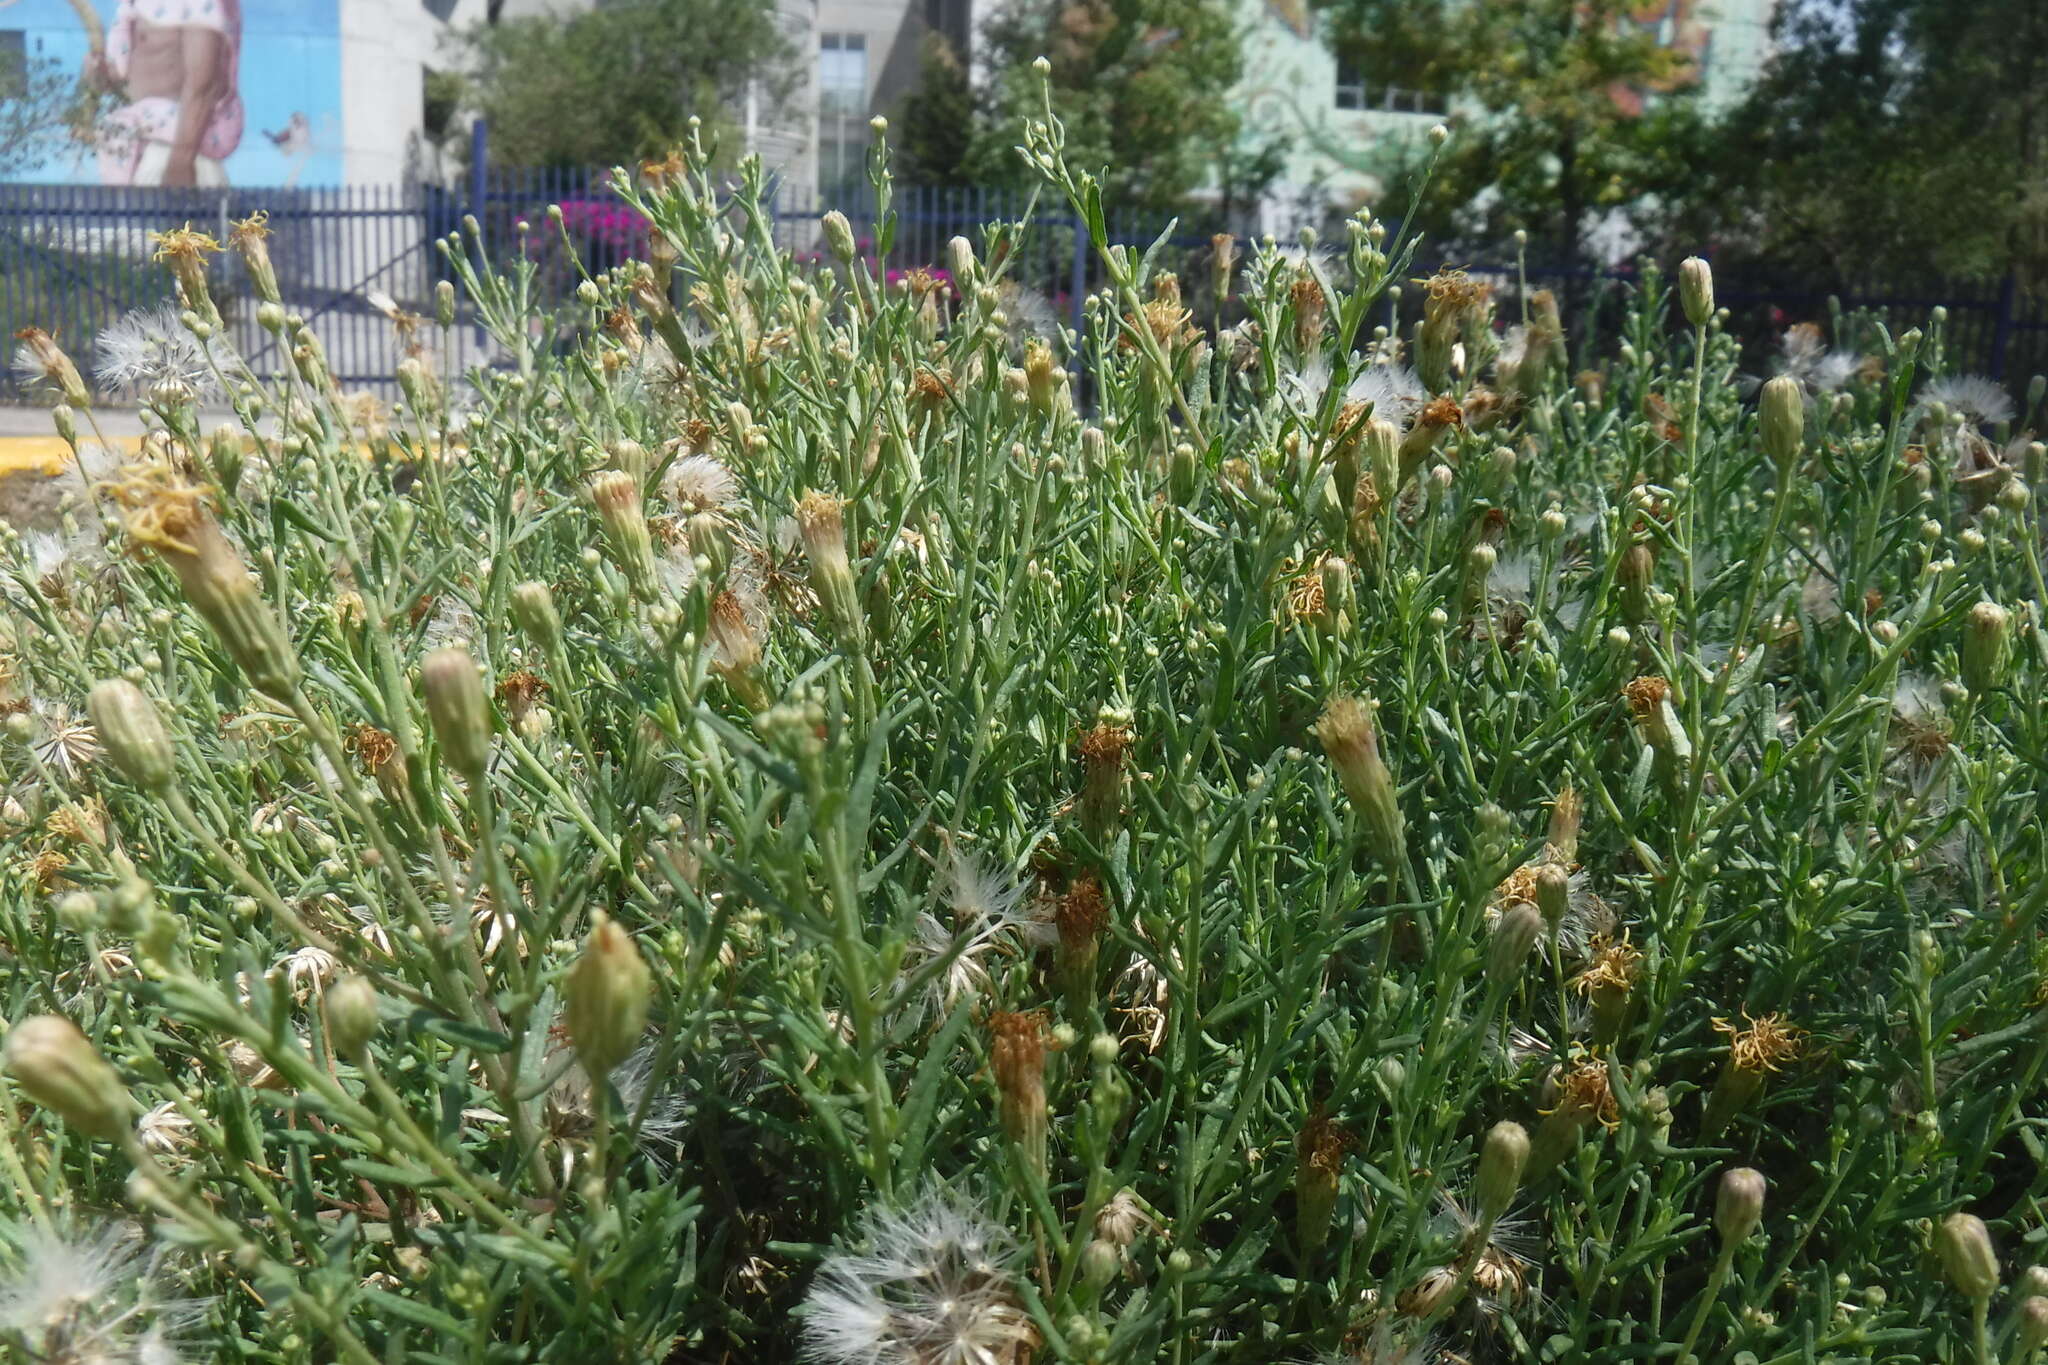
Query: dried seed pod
[1017, 1043]
[1320, 1151]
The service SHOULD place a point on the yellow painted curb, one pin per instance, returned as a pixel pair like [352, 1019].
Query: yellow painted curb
[46, 455]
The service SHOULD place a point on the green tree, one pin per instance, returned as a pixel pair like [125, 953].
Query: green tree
[621, 80]
[933, 130]
[1891, 136]
[1142, 86]
[45, 112]
[1564, 110]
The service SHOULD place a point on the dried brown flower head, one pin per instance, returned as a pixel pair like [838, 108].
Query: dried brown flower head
[1082, 911]
[520, 691]
[1442, 411]
[1646, 694]
[373, 748]
[1585, 1094]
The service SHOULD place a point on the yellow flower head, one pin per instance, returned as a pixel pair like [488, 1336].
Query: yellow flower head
[254, 228]
[1761, 1044]
[183, 244]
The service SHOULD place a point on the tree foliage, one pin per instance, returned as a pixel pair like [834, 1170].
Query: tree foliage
[619, 81]
[1553, 115]
[1141, 85]
[1892, 136]
[45, 113]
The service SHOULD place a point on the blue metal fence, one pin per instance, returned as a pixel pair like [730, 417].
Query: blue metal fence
[74, 258]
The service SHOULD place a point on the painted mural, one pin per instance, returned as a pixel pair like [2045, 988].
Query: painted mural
[195, 92]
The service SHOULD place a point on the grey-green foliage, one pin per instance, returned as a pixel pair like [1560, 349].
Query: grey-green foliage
[1019, 865]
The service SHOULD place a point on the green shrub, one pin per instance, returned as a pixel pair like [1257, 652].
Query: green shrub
[772, 830]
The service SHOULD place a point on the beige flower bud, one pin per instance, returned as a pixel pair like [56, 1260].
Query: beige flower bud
[351, 1006]
[1696, 290]
[606, 997]
[616, 495]
[1738, 1205]
[1353, 744]
[454, 692]
[820, 523]
[60, 1069]
[1782, 419]
[1986, 631]
[1514, 935]
[2032, 1319]
[1501, 1162]
[128, 725]
[839, 236]
[1553, 894]
[533, 611]
[1964, 1244]
[222, 591]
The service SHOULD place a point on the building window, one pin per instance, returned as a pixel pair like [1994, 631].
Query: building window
[842, 117]
[1357, 94]
[13, 63]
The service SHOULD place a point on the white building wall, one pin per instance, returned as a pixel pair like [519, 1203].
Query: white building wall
[386, 46]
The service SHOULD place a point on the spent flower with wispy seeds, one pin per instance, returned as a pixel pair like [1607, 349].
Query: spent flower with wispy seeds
[933, 1287]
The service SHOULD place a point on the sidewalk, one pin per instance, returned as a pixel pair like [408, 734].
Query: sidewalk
[29, 440]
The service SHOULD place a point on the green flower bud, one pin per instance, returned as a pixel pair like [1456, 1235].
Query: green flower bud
[839, 236]
[133, 733]
[606, 997]
[1964, 1244]
[617, 497]
[533, 611]
[1501, 1162]
[351, 1005]
[1782, 419]
[1353, 744]
[444, 303]
[1099, 1264]
[1553, 894]
[224, 453]
[222, 591]
[60, 1069]
[1739, 1205]
[461, 716]
[1514, 935]
[821, 526]
[1986, 632]
[1696, 290]
[2032, 1320]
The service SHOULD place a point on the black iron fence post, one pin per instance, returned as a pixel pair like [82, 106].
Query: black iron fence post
[2001, 335]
